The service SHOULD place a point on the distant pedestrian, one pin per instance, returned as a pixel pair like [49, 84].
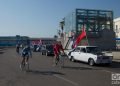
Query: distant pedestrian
[18, 48]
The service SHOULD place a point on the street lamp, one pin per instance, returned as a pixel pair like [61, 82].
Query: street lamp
[62, 23]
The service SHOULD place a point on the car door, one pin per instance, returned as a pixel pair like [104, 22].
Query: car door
[75, 53]
[83, 56]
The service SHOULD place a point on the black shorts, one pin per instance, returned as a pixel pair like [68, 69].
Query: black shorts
[25, 55]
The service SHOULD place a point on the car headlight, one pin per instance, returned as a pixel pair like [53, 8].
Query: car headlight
[48, 51]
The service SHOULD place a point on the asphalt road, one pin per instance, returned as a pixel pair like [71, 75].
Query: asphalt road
[43, 73]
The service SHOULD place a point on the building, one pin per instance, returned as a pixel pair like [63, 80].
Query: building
[98, 25]
[117, 27]
[7, 41]
[42, 41]
[117, 31]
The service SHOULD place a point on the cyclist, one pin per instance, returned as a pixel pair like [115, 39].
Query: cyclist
[57, 47]
[26, 53]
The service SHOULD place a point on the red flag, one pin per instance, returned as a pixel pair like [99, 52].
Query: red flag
[80, 37]
[40, 42]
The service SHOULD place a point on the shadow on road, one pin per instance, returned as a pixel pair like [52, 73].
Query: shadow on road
[45, 72]
[80, 68]
[1, 52]
[114, 64]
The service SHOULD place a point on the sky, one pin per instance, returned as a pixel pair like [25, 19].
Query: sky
[40, 18]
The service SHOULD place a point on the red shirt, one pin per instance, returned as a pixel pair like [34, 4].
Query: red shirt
[57, 48]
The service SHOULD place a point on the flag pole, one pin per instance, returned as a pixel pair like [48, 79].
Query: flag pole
[86, 36]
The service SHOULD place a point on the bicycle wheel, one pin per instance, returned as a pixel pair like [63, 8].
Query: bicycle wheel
[27, 67]
[61, 62]
[22, 67]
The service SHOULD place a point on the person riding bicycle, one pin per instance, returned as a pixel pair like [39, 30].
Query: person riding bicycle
[26, 53]
[57, 47]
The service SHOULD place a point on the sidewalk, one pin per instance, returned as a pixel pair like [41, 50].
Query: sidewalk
[116, 56]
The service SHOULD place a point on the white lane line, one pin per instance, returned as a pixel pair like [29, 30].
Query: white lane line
[108, 71]
[67, 80]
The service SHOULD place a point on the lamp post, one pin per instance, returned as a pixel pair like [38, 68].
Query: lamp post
[62, 23]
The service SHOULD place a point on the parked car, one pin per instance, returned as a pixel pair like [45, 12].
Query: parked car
[89, 54]
[47, 50]
[36, 48]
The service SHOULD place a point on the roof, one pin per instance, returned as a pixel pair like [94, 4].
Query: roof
[42, 39]
[86, 46]
[117, 19]
[13, 37]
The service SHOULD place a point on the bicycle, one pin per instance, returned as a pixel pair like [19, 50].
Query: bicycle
[25, 66]
[26, 54]
[59, 61]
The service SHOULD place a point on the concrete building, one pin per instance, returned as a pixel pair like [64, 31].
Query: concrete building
[117, 31]
[42, 41]
[98, 25]
[7, 41]
[117, 27]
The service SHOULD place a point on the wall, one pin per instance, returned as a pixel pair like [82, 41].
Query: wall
[117, 27]
[106, 41]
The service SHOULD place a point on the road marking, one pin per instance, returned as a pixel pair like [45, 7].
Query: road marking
[67, 80]
[108, 71]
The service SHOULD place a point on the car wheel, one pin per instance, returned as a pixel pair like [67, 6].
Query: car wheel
[72, 59]
[41, 53]
[91, 62]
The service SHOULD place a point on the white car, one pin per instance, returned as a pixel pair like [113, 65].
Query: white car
[90, 54]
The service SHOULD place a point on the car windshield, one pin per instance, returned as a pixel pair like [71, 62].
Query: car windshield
[94, 50]
[49, 47]
[35, 45]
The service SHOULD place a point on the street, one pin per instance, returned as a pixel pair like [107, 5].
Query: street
[43, 73]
